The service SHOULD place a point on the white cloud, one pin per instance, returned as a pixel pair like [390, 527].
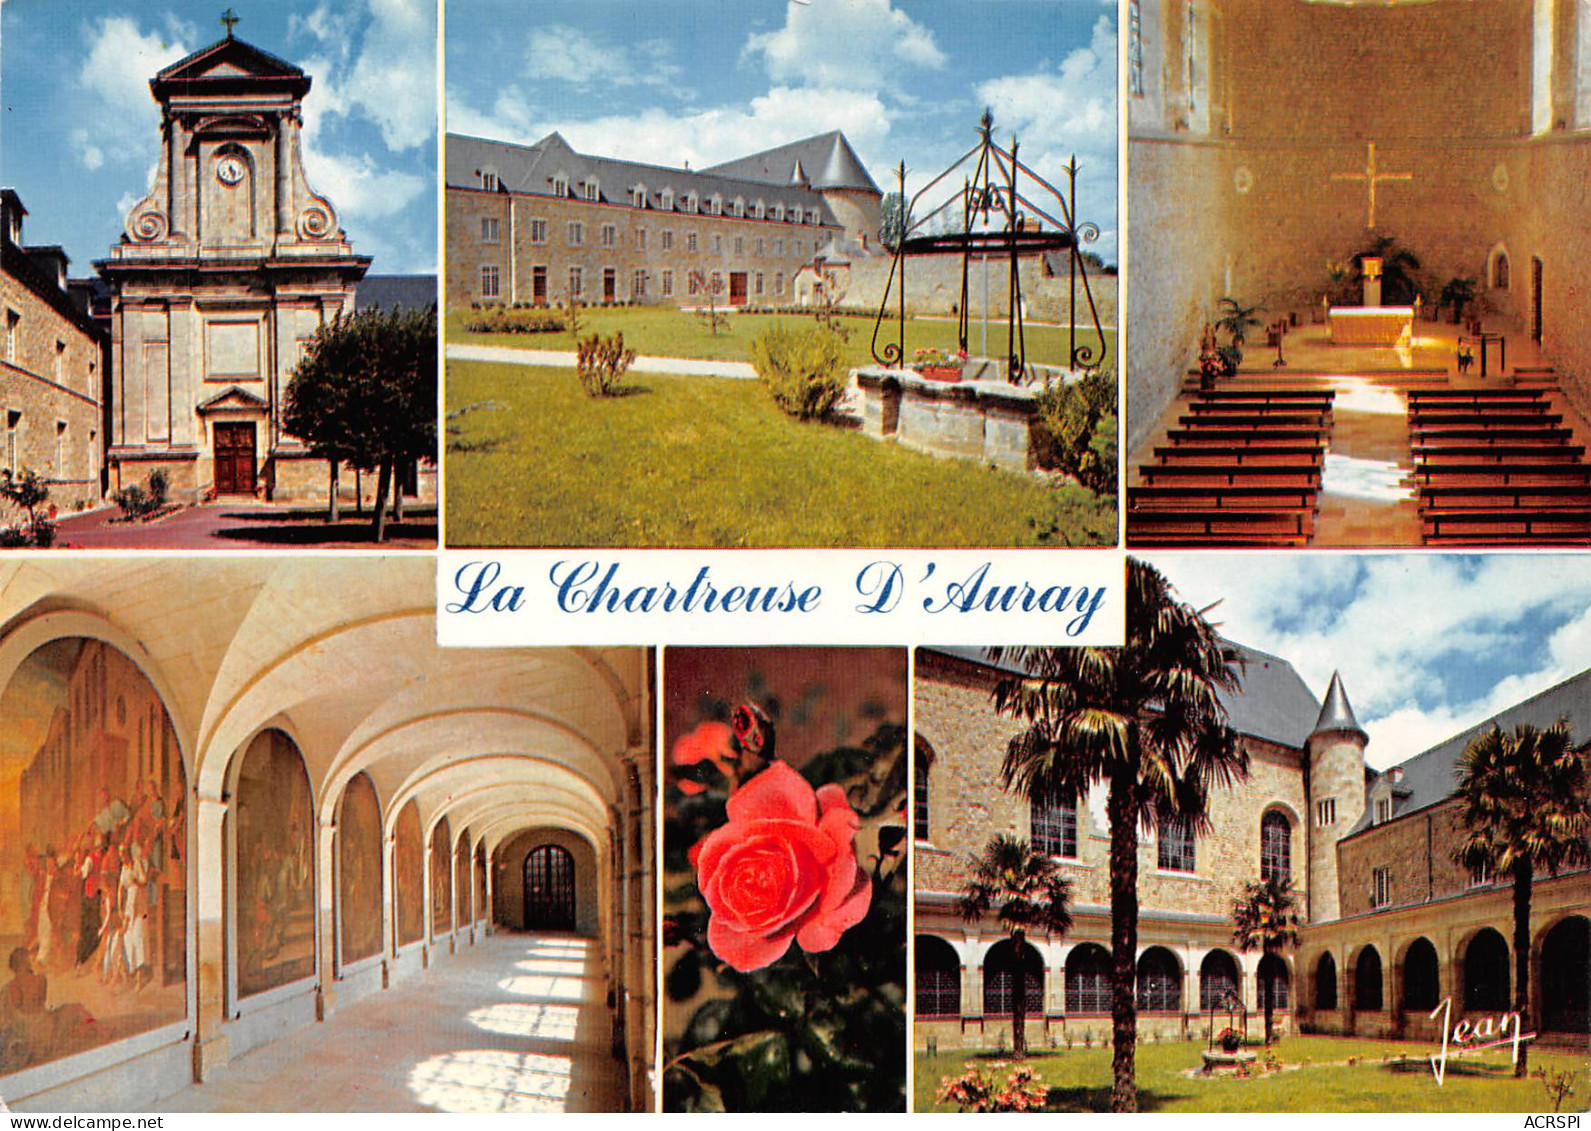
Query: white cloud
[835, 45]
[567, 55]
[91, 155]
[119, 116]
[1392, 624]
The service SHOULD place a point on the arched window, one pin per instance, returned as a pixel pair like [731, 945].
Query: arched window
[1566, 977]
[1054, 828]
[1217, 979]
[1486, 973]
[1367, 981]
[1088, 980]
[1275, 982]
[1500, 271]
[1159, 981]
[920, 792]
[1276, 846]
[1419, 976]
[549, 889]
[1326, 982]
[938, 977]
[999, 979]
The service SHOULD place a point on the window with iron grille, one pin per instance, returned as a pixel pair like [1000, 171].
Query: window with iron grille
[999, 980]
[1275, 985]
[938, 978]
[1054, 828]
[1326, 812]
[1176, 845]
[1159, 982]
[1276, 846]
[920, 800]
[1217, 979]
[1088, 980]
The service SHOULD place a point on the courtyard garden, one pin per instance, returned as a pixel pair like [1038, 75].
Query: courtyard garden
[1314, 1074]
[531, 460]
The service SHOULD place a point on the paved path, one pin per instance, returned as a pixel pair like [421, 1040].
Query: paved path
[517, 1023]
[233, 526]
[686, 366]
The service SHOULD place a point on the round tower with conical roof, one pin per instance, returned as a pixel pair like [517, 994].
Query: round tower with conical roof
[1336, 750]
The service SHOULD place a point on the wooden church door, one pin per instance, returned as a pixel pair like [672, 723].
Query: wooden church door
[234, 459]
[549, 889]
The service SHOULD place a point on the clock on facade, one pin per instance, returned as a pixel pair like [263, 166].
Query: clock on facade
[229, 170]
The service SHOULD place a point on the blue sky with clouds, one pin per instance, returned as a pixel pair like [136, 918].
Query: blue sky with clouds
[704, 82]
[1427, 644]
[80, 133]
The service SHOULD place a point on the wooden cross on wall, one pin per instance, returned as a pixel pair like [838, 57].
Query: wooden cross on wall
[1372, 178]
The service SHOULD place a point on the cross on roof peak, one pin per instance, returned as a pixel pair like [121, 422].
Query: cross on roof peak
[229, 20]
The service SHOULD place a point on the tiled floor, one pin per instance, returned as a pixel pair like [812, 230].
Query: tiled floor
[516, 1023]
[1366, 498]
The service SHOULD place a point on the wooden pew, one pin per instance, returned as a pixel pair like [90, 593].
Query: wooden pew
[1295, 455]
[1244, 437]
[1218, 496]
[1266, 395]
[1475, 395]
[1514, 523]
[1434, 421]
[1498, 453]
[1169, 539]
[1498, 435]
[1495, 496]
[1224, 409]
[1505, 474]
[1259, 420]
[1290, 522]
[1257, 475]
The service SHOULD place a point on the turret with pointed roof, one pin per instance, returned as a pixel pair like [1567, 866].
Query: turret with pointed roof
[1336, 713]
[1336, 782]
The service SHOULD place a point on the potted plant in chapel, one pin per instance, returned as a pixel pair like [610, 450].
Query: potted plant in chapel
[1236, 320]
[1458, 293]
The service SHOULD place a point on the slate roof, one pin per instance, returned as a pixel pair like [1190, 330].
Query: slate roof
[1429, 777]
[835, 162]
[531, 169]
[1336, 713]
[389, 292]
[1274, 703]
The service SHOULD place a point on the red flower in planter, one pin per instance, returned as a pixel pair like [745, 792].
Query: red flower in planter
[708, 742]
[783, 869]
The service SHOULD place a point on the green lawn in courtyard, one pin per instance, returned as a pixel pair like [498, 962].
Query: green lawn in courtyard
[703, 461]
[1391, 1076]
[659, 331]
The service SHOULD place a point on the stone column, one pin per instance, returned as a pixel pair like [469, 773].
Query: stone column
[326, 889]
[647, 832]
[491, 900]
[282, 157]
[638, 1000]
[1056, 987]
[210, 1050]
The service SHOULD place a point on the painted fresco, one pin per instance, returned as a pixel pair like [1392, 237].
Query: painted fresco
[461, 877]
[480, 881]
[275, 866]
[93, 856]
[441, 879]
[359, 869]
[408, 875]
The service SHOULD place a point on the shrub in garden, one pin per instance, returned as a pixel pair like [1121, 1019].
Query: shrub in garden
[803, 370]
[29, 492]
[601, 363]
[137, 502]
[513, 320]
[1075, 430]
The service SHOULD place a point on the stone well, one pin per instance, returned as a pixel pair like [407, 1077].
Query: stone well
[988, 421]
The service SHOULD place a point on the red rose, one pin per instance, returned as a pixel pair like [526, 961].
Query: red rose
[708, 742]
[784, 868]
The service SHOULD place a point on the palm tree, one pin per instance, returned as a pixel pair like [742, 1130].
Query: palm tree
[1026, 892]
[1523, 798]
[1264, 916]
[1143, 720]
[1399, 269]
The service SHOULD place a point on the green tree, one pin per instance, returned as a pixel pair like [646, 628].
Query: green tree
[1265, 916]
[28, 491]
[365, 395]
[1523, 799]
[1026, 892]
[1145, 721]
[892, 221]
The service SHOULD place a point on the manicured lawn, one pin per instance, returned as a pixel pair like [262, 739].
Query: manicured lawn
[666, 332]
[1079, 1079]
[703, 461]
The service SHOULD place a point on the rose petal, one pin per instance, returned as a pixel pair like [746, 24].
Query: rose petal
[709, 740]
[823, 930]
[812, 858]
[746, 950]
[778, 793]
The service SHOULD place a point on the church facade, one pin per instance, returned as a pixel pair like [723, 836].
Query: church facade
[1391, 925]
[541, 224]
[227, 267]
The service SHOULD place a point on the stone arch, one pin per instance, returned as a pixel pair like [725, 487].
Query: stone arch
[509, 875]
[1277, 827]
[1368, 996]
[923, 758]
[440, 873]
[1275, 982]
[1422, 982]
[1218, 976]
[999, 978]
[1566, 976]
[1159, 981]
[1326, 982]
[1499, 270]
[938, 977]
[1088, 979]
[359, 880]
[408, 877]
[1484, 961]
[273, 859]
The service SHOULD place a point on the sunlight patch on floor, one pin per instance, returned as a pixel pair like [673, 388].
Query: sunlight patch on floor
[1359, 394]
[521, 1019]
[1375, 479]
[491, 1080]
[573, 966]
[544, 986]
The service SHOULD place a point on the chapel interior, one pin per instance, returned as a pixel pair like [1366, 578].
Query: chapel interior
[1274, 145]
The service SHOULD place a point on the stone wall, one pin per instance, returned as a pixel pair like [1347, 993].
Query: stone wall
[508, 889]
[933, 286]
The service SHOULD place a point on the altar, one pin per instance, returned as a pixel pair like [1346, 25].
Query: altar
[1369, 325]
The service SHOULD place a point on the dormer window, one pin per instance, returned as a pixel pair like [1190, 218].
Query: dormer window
[592, 189]
[715, 205]
[489, 180]
[560, 185]
[638, 196]
[666, 200]
[1383, 810]
[690, 202]
[778, 212]
[757, 210]
[812, 215]
[740, 206]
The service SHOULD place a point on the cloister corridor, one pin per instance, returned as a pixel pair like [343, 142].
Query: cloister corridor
[516, 1023]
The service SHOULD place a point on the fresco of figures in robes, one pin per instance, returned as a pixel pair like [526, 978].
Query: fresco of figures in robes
[408, 871]
[441, 880]
[480, 881]
[461, 878]
[359, 869]
[275, 866]
[93, 856]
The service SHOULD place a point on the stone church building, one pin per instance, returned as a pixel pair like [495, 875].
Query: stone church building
[243, 803]
[1391, 924]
